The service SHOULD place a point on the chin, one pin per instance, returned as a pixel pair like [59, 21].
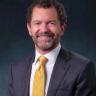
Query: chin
[47, 48]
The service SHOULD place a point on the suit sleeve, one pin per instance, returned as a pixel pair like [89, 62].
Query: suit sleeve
[86, 83]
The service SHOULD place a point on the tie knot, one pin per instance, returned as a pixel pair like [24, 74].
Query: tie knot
[43, 59]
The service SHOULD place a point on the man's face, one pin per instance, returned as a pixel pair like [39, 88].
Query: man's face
[45, 28]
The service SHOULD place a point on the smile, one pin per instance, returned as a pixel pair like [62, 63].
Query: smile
[45, 38]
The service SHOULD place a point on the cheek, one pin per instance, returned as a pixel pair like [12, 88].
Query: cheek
[33, 31]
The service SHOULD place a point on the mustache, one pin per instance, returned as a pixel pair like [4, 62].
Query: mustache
[49, 34]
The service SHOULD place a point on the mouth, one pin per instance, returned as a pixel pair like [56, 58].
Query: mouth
[45, 36]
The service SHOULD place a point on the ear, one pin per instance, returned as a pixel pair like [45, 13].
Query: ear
[63, 28]
[29, 28]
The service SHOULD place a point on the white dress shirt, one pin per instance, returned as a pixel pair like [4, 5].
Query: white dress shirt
[51, 56]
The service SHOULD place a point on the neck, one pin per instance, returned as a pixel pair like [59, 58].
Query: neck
[43, 52]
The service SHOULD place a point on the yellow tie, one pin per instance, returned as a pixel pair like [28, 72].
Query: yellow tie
[40, 78]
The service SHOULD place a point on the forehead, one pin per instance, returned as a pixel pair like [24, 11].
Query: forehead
[39, 12]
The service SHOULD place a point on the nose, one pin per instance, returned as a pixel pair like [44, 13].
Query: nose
[44, 28]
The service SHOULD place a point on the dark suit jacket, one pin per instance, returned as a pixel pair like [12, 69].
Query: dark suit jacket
[73, 75]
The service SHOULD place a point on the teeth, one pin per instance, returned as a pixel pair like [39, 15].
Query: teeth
[44, 37]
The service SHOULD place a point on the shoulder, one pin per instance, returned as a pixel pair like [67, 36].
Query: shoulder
[22, 63]
[75, 60]
[70, 55]
[79, 65]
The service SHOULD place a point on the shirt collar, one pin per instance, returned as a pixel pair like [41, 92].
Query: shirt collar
[52, 55]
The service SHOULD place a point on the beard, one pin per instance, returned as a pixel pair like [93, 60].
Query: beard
[45, 41]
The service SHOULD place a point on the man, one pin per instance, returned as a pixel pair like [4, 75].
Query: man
[67, 73]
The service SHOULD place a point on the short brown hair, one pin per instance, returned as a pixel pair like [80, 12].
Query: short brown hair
[47, 4]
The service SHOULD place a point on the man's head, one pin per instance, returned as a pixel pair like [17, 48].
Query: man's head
[46, 22]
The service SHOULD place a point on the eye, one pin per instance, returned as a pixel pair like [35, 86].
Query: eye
[52, 23]
[36, 23]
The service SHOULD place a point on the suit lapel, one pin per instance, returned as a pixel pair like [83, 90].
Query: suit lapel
[28, 74]
[59, 72]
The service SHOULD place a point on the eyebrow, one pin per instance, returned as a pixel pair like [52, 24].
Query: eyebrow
[51, 20]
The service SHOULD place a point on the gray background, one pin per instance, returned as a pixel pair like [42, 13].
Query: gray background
[80, 35]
